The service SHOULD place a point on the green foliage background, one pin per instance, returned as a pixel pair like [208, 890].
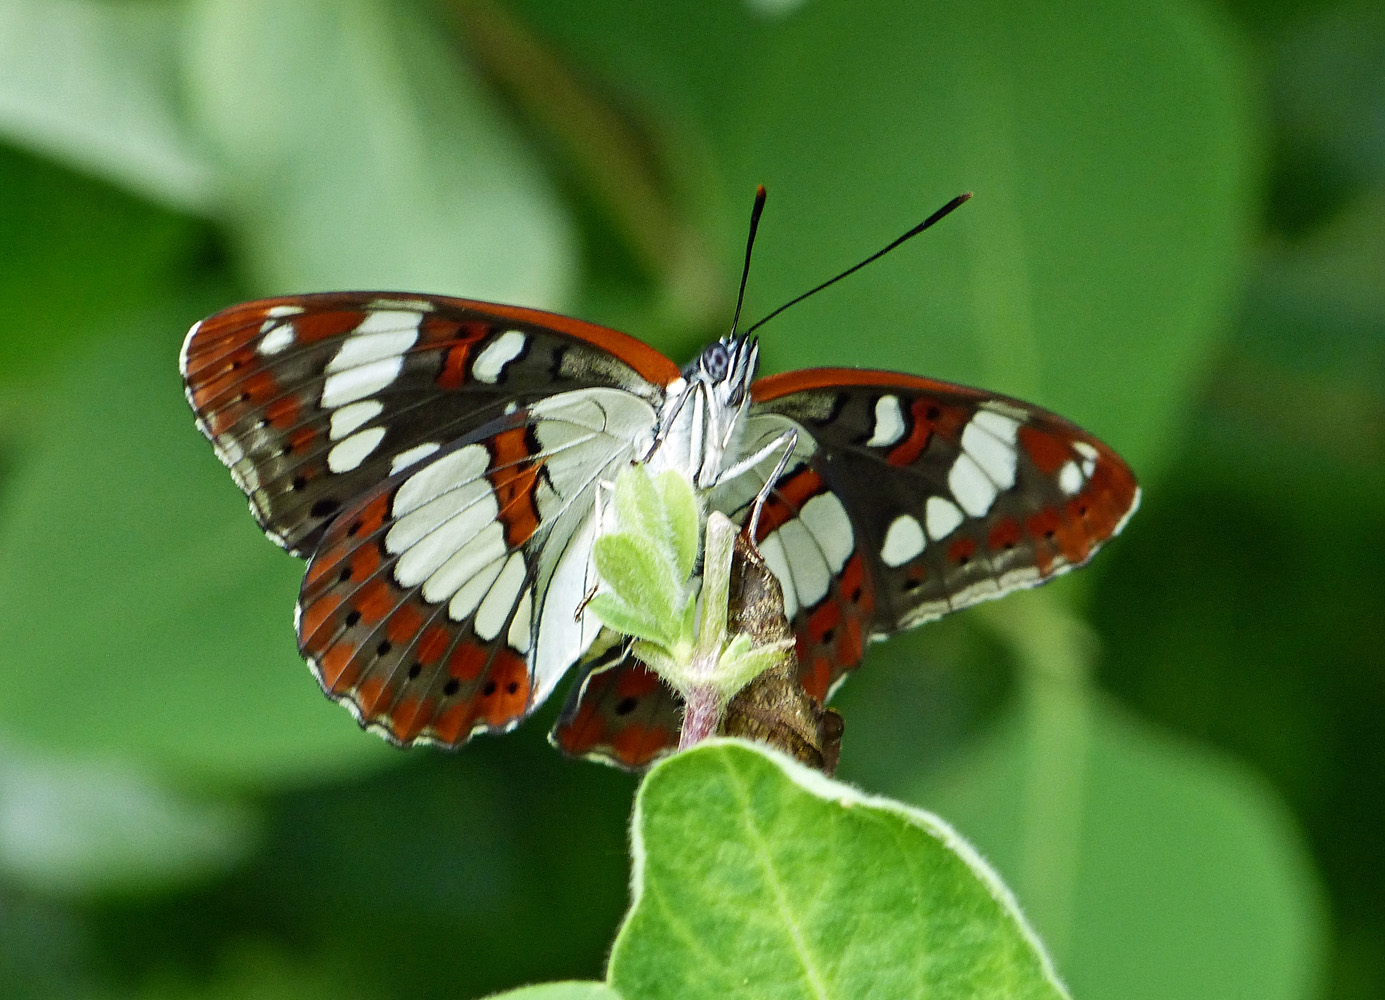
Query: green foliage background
[1174, 758]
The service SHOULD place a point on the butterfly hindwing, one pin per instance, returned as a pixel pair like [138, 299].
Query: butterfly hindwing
[916, 498]
[619, 712]
[312, 400]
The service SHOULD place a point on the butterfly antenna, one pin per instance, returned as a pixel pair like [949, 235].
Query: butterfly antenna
[755, 211]
[937, 216]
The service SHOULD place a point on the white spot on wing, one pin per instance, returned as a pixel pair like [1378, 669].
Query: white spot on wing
[518, 636]
[1089, 457]
[277, 340]
[350, 453]
[491, 362]
[448, 472]
[412, 305]
[889, 422]
[903, 541]
[826, 518]
[973, 489]
[1017, 413]
[995, 457]
[362, 348]
[471, 592]
[942, 516]
[277, 312]
[1004, 427]
[810, 575]
[430, 534]
[351, 416]
[409, 456]
[352, 384]
[467, 563]
[1070, 478]
[773, 551]
[562, 636]
[389, 321]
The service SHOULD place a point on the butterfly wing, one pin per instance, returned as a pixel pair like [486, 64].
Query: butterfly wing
[905, 498]
[908, 498]
[438, 460]
[619, 712]
[312, 399]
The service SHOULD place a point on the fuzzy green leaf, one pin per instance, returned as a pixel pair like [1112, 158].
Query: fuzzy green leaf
[638, 507]
[741, 663]
[560, 991]
[111, 106]
[185, 610]
[640, 577]
[757, 877]
[681, 519]
[445, 195]
[616, 614]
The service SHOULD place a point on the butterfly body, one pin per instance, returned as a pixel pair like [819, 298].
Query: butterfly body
[437, 461]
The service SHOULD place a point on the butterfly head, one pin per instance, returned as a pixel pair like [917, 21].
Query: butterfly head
[703, 414]
[727, 367]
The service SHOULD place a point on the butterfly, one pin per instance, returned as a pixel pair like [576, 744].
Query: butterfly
[437, 463]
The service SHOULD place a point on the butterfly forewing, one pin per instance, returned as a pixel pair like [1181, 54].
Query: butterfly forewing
[311, 400]
[920, 498]
[437, 459]
[444, 602]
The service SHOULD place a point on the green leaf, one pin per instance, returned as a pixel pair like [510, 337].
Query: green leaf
[616, 614]
[640, 577]
[363, 153]
[757, 877]
[144, 612]
[740, 664]
[92, 825]
[111, 104]
[1153, 867]
[561, 991]
[638, 507]
[1111, 149]
[681, 519]
[69, 241]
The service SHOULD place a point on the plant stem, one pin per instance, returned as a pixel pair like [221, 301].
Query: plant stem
[704, 703]
[716, 588]
[701, 716]
[1055, 651]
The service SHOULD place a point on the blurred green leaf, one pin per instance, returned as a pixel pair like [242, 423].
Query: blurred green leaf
[90, 826]
[1184, 874]
[144, 612]
[77, 252]
[362, 154]
[755, 876]
[1248, 613]
[1109, 148]
[1329, 88]
[96, 85]
[257, 972]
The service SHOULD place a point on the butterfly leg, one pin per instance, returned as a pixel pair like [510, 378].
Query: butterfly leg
[788, 441]
[603, 486]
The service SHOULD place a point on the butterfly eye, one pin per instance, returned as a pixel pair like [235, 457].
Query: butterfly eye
[715, 361]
